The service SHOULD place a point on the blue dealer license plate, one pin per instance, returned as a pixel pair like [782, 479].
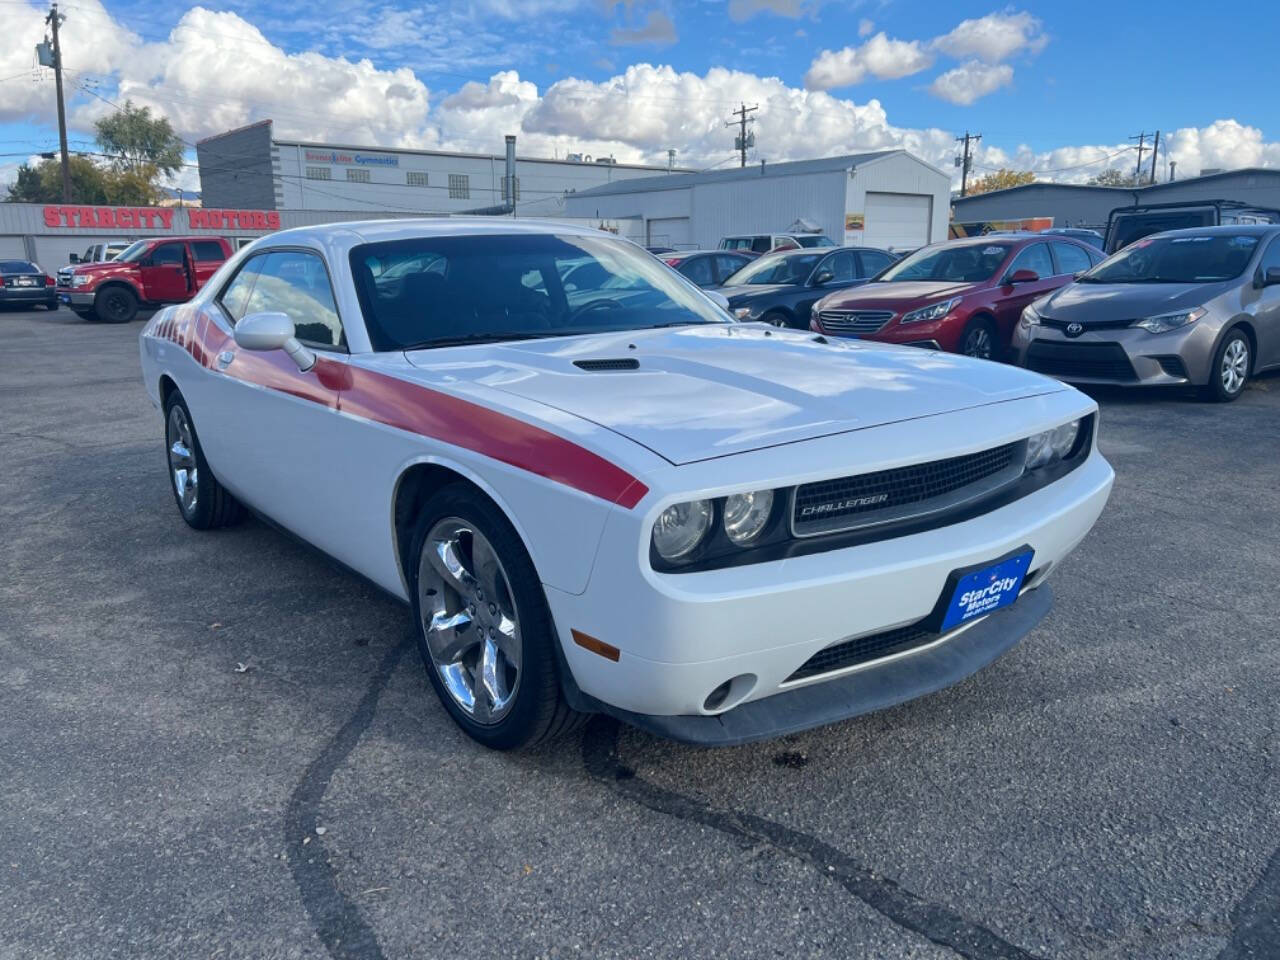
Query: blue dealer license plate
[64, 297]
[986, 590]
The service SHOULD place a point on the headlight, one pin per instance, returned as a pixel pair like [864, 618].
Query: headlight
[935, 311]
[1030, 317]
[681, 527]
[78, 280]
[745, 515]
[1170, 321]
[1051, 445]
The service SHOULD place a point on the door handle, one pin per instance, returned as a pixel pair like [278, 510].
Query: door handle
[225, 358]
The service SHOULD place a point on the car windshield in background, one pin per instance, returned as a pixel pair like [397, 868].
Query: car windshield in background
[971, 263]
[437, 291]
[17, 266]
[779, 268]
[811, 241]
[133, 251]
[1183, 259]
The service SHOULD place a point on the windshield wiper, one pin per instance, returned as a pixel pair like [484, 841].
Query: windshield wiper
[467, 338]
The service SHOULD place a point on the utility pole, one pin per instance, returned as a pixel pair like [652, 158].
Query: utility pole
[966, 162]
[743, 141]
[1137, 172]
[53, 20]
[1155, 152]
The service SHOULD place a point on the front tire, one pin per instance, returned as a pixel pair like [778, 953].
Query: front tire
[203, 502]
[979, 339]
[483, 626]
[776, 318]
[1232, 363]
[116, 304]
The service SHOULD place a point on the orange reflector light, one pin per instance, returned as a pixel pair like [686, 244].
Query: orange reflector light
[587, 642]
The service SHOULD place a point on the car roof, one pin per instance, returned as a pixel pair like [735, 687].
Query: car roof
[374, 231]
[703, 253]
[1228, 229]
[1013, 239]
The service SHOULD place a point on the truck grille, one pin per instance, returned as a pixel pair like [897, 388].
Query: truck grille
[904, 493]
[1085, 361]
[64, 277]
[854, 321]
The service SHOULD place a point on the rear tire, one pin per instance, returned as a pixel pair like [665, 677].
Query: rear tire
[116, 304]
[1232, 364]
[203, 502]
[483, 626]
[979, 339]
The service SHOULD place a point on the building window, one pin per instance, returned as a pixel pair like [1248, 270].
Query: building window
[357, 176]
[319, 173]
[459, 186]
[415, 178]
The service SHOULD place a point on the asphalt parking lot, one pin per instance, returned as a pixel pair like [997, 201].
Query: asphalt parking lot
[218, 745]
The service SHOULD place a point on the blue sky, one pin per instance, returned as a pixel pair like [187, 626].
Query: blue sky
[1053, 88]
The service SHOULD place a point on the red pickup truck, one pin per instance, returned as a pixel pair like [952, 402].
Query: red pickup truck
[150, 273]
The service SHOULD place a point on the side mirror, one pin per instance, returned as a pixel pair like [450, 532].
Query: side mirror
[718, 298]
[1078, 274]
[75, 258]
[273, 331]
[826, 276]
[1271, 277]
[1021, 276]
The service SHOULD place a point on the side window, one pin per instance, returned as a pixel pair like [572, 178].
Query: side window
[207, 251]
[1270, 258]
[699, 271]
[1071, 259]
[235, 295]
[1095, 256]
[1035, 257]
[760, 244]
[727, 266]
[873, 262]
[296, 284]
[167, 255]
[840, 266]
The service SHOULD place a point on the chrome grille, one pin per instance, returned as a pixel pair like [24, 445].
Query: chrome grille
[904, 493]
[854, 321]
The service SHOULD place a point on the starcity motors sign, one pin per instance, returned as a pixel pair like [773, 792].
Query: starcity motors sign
[158, 218]
[344, 158]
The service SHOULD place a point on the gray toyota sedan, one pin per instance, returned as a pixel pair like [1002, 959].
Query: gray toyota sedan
[1199, 306]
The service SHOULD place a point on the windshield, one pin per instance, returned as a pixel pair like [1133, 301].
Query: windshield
[1184, 259]
[778, 268]
[810, 240]
[435, 291]
[970, 263]
[133, 251]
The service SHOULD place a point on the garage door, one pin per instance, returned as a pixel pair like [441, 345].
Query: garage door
[12, 248]
[670, 232]
[897, 221]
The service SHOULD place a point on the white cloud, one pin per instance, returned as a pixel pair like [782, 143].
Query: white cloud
[865, 27]
[971, 81]
[994, 38]
[880, 56]
[658, 31]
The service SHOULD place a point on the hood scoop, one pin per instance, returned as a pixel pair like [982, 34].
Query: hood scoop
[620, 363]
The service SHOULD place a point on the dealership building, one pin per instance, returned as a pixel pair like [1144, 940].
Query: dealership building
[888, 199]
[251, 168]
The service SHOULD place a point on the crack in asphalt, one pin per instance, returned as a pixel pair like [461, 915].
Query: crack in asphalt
[334, 916]
[1255, 920]
[932, 921]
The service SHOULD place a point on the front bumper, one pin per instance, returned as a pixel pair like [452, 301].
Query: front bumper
[682, 636]
[75, 298]
[1127, 356]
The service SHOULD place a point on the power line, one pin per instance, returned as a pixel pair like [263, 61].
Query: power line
[966, 162]
[1142, 139]
[743, 139]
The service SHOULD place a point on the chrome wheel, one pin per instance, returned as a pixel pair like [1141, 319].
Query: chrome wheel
[469, 619]
[978, 344]
[1235, 366]
[182, 459]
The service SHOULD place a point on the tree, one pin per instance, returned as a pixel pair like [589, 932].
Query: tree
[1112, 177]
[43, 182]
[1001, 179]
[133, 139]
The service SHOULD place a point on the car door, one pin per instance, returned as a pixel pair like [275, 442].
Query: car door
[1070, 259]
[1267, 308]
[164, 273]
[270, 428]
[1010, 298]
[840, 269]
[207, 256]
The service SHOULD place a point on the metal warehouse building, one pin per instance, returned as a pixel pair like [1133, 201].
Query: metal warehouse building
[1077, 205]
[251, 168]
[888, 199]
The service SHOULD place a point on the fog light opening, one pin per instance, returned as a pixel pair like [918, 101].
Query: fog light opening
[729, 694]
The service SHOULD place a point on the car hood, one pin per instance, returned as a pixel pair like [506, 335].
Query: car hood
[898, 293]
[701, 392]
[1088, 303]
[101, 266]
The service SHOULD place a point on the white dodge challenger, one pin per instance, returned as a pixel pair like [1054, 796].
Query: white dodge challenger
[599, 493]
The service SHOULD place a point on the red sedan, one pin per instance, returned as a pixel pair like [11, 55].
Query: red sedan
[964, 296]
